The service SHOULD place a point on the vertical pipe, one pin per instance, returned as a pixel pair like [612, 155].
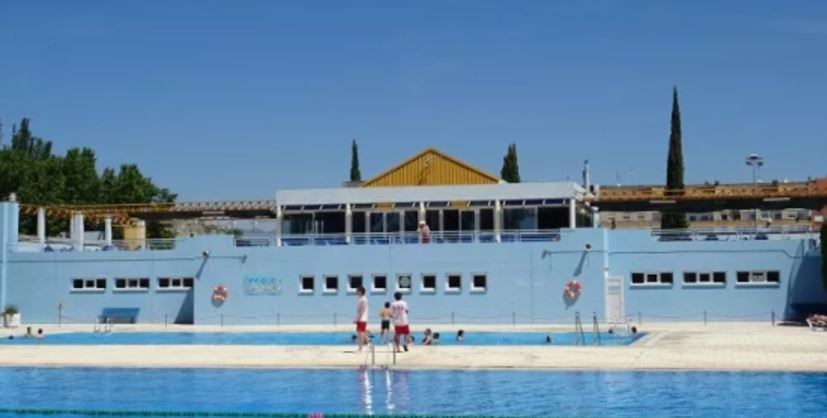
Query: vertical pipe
[572, 213]
[498, 219]
[348, 223]
[107, 230]
[41, 227]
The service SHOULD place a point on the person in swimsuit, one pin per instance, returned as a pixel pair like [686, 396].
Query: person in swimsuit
[385, 315]
[401, 327]
[361, 320]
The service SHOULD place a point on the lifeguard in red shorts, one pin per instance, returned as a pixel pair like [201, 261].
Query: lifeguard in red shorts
[401, 328]
[361, 320]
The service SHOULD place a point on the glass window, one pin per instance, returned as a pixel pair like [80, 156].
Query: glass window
[742, 277]
[392, 220]
[358, 222]
[331, 222]
[450, 220]
[100, 284]
[432, 219]
[411, 220]
[479, 282]
[690, 277]
[297, 224]
[377, 222]
[132, 284]
[486, 219]
[666, 277]
[77, 284]
[403, 283]
[704, 277]
[773, 277]
[163, 282]
[380, 283]
[331, 284]
[354, 281]
[429, 282]
[637, 278]
[520, 218]
[120, 283]
[643, 279]
[307, 284]
[719, 277]
[467, 221]
[454, 282]
[188, 282]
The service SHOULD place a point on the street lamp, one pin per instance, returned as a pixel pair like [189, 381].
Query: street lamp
[756, 162]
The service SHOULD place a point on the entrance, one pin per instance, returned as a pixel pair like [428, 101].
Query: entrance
[615, 311]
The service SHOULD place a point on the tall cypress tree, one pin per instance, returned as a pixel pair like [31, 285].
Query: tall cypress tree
[674, 167]
[511, 169]
[355, 174]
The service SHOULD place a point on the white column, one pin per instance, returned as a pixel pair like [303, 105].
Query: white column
[422, 212]
[279, 215]
[595, 217]
[72, 226]
[79, 231]
[348, 222]
[498, 219]
[107, 230]
[41, 227]
[572, 213]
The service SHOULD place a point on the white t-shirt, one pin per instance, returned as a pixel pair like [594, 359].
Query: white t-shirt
[363, 301]
[400, 312]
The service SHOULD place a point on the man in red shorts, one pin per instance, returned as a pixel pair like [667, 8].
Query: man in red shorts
[401, 328]
[361, 320]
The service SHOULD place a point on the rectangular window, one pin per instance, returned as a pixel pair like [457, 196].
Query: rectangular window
[307, 284]
[353, 282]
[759, 277]
[652, 279]
[486, 219]
[520, 218]
[479, 282]
[380, 283]
[331, 284]
[453, 284]
[92, 284]
[358, 223]
[138, 284]
[403, 283]
[411, 220]
[704, 278]
[174, 283]
[428, 283]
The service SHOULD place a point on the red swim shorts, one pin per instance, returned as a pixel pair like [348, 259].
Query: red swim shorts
[361, 326]
[401, 329]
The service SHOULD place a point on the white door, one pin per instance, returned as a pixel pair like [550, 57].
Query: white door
[615, 311]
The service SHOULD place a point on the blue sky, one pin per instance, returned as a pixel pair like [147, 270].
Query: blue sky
[222, 100]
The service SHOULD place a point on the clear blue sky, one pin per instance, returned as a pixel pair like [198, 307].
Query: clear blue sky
[220, 100]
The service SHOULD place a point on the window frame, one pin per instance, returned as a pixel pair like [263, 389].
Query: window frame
[654, 284]
[399, 288]
[448, 288]
[698, 283]
[328, 290]
[350, 288]
[302, 289]
[428, 290]
[473, 287]
[376, 290]
[181, 287]
[138, 288]
[84, 281]
[755, 283]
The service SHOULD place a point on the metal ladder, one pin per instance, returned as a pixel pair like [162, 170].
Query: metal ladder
[579, 335]
[596, 330]
[104, 327]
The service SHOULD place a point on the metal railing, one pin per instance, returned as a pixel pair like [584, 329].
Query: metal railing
[397, 238]
[68, 245]
[734, 234]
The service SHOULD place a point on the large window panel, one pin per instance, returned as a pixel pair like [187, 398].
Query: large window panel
[331, 222]
[392, 221]
[520, 218]
[411, 220]
[297, 224]
[358, 223]
[377, 222]
[467, 221]
[486, 219]
[432, 218]
[450, 220]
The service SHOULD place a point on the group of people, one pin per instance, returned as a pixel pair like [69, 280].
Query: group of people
[395, 313]
[30, 334]
[818, 320]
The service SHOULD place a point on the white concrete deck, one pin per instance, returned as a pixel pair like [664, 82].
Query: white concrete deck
[669, 346]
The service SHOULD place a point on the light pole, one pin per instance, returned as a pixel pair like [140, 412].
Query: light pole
[756, 162]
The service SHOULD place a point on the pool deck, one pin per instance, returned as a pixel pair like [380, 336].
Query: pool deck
[667, 346]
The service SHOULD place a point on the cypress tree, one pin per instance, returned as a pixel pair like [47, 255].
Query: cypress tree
[824, 255]
[511, 169]
[355, 174]
[674, 167]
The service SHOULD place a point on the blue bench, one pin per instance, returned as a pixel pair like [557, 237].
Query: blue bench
[119, 316]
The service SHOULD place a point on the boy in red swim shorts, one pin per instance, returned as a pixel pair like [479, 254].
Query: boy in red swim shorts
[400, 321]
[361, 320]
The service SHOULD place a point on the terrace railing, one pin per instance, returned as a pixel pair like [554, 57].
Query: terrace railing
[436, 237]
[734, 234]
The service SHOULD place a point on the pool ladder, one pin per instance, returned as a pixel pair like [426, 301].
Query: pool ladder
[370, 357]
[580, 335]
[104, 326]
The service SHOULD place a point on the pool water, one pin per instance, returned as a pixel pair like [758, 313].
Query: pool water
[78, 392]
[308, 338]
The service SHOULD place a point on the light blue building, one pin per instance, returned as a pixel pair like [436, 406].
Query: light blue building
[493, 253]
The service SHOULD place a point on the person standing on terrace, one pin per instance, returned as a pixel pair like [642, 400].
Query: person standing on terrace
[361, 320]
[424, 232]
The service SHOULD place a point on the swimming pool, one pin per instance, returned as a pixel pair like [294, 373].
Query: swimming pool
[38, 391]
[306, 338]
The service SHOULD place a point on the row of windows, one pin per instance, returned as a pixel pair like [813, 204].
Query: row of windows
[404, 283]
[132, 283]
[707, 278]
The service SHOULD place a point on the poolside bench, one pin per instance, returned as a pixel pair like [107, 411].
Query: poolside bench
[118, 316]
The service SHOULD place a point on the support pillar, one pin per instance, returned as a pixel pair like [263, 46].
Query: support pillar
[348, 223]
[422, 212]
[79, 231]
[279, 216]
[572, 213]
[41, 227]
[595, 218]
[498, 220]
[107, 230]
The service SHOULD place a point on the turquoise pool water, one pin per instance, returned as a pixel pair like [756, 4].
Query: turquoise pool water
[37, 391]
[308, 338]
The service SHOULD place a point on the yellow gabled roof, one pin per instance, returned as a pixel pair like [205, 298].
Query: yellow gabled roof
[431, 167]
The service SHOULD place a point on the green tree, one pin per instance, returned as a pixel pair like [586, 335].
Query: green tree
[824, 254]
[674, 167]
[28, 145]
[355, 174]
[510, 171]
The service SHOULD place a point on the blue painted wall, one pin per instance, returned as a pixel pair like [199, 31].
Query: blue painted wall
[525, 280]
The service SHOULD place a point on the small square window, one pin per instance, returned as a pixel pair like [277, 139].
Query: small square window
[100, 283]
[689, 277]
[651, 278]
[144, 283]
[187, 281]
[773, 277]
[77, 284]
[380, 283]
[90, 284]
[758, 277]
[719, 277]
[132, 283]
[120, 283]
[403, 283]
[331, 284]
[307, 284]
[428, 283]
[163, 282]
[637, 278]
[479, 283]
[353, 282]
[454, 283]
[742, 277]
[176, 282]
[666, 278]
[704, 278]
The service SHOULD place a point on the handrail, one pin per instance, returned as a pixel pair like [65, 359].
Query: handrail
[435, 237]
[596, 329]
[579, 335]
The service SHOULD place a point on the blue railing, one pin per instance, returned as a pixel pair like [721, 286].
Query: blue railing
[437, 237]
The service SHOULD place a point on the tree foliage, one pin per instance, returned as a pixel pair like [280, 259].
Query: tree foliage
[29, 169]
[355, 173]
[674, 166]
[511, 169]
